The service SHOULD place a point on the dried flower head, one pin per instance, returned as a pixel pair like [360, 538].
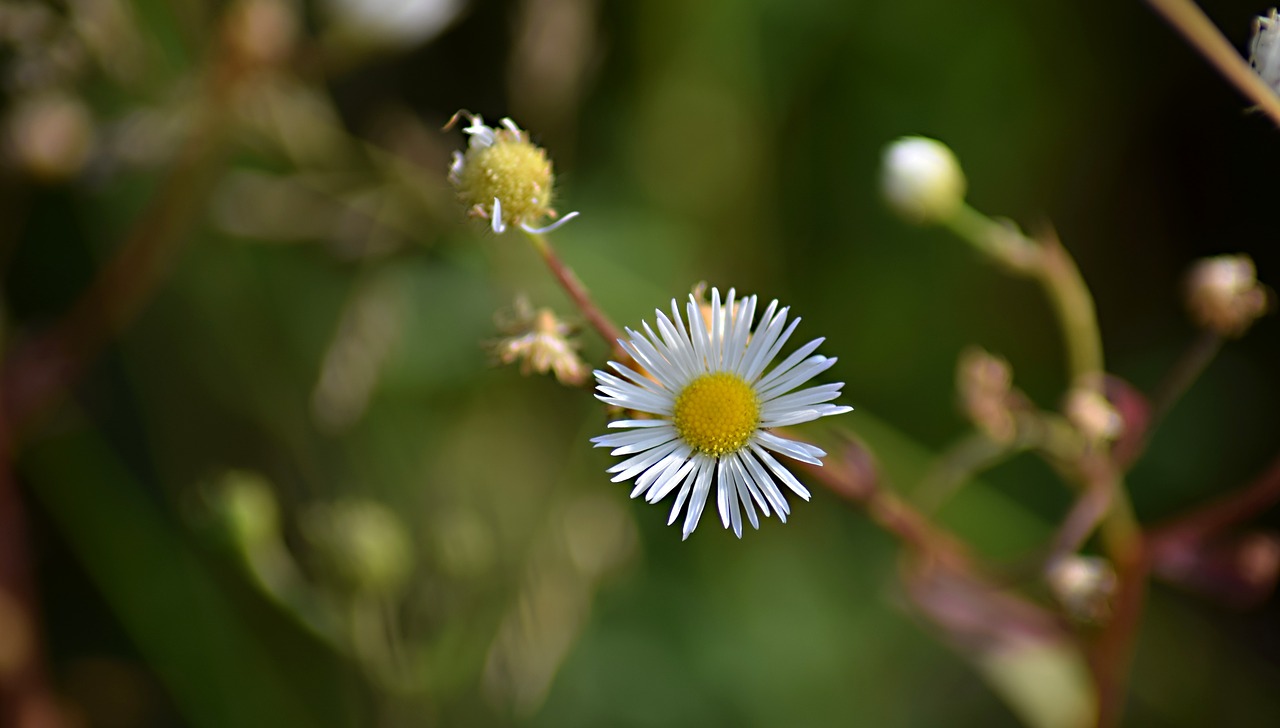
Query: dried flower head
[710, 406]
[1224, 295]
[503, 177]
[985, 385]
[921, 179]
[540, 341]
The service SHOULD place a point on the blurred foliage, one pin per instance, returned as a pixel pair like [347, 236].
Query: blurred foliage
[297, 491]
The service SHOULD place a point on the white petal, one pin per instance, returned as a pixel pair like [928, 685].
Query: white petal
[663, 486]
[740, 472]
[805, 397]
[765, 356]
[498, 227]
[548, 228]
[780, 472]
[802, 451]
[724, 491]
[790, 362]
[794, 417]
[768, 330]
[766, 484]
[638, 423]
[630, 468]
[744, 496]
[736, 347]
[698, 499]
[811, 368]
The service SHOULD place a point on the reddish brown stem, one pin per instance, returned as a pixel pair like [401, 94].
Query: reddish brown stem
[580, 297]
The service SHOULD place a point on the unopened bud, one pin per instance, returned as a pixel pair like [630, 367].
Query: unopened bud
[1083, 585]
[1224, 295]
[922, 180]
[248, 508]
[361, 545]
[985, 385]
[1093, 415]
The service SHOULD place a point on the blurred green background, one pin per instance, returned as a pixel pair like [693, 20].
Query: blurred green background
[297, 491]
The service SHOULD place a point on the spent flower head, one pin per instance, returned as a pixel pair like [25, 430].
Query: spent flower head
[921, 179]
[1224, 295]
[503, 177]
[987, 397]
[540, 341]
[707, 409]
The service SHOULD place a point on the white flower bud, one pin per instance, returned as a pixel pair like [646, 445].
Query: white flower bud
[922, 180]
[1224, 295]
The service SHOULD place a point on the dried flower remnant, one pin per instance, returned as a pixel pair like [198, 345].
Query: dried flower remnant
[711, 406]
[921, 180]
[987, 398]
[503, 177]
[540, 342]
[1224, 295]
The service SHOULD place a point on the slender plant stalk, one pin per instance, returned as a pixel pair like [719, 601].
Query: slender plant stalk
[1189, 20]
[581, 298]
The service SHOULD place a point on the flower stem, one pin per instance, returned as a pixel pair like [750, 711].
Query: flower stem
[581, 298]
[1189, 20]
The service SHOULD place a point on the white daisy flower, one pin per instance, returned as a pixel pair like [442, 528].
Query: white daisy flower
[713, 407]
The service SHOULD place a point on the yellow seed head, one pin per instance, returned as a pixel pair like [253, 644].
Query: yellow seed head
[716, 414]
[514, 171]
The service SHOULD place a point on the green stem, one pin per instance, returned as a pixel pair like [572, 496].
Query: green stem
[1074, 307]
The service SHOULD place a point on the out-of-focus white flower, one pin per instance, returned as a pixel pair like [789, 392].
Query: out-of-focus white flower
[1224, 295]
[922, 180]
[1264, 48]
[713, 407]
[51, 135]
[504, 178]
[391, 22]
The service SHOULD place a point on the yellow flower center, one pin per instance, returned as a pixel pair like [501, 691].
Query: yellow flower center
[716, 414]
[514, 171]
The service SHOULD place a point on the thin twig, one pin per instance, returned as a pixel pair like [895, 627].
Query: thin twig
[581, 298]
[1230, 510]
[1189, 20]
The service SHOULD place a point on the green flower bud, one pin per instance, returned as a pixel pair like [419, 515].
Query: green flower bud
[248, 508]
